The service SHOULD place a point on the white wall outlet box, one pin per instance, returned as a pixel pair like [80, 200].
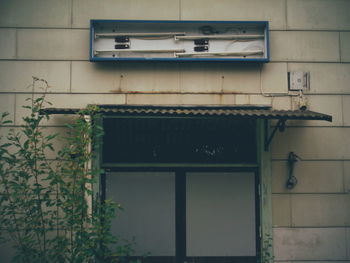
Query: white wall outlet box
[299, 80]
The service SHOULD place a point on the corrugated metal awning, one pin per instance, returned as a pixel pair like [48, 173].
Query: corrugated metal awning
[255, 112]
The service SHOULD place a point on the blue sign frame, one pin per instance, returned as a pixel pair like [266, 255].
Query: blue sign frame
[263, 24]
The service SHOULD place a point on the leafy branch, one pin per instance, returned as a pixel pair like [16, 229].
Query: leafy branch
[47, 209]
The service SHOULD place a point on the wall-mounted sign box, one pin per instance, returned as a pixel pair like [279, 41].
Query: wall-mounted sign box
[123, 40]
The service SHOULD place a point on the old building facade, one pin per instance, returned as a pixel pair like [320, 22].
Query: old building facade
[311, 222]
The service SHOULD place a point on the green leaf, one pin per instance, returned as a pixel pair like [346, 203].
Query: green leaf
[5, 114]
[50, 147]
[51, 136]
[7, 122]
[26, 145]
[39, 99]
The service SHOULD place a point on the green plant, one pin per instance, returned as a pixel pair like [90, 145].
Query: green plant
[47, 207]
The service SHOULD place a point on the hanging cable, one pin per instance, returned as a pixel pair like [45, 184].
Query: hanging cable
[292, 180]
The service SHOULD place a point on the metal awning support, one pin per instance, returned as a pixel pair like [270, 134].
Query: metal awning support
[280, 126]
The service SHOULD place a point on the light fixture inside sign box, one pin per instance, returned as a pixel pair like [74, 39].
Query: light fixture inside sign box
[121, 40]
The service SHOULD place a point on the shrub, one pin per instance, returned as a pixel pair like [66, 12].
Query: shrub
[47, 207]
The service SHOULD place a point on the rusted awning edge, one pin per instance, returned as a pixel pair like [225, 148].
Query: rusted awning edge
[256, 112]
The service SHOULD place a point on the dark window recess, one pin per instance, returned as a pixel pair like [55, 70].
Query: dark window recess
[177, 140]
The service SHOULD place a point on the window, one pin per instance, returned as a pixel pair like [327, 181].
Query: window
[188, 186]
[148, 199]
[193, 215]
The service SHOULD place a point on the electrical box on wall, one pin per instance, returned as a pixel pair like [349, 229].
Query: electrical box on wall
[299, 80]
[122, 40]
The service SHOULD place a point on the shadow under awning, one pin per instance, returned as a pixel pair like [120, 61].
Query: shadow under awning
[210, 134]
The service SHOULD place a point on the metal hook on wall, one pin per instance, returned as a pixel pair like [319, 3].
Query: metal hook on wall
[292, 180]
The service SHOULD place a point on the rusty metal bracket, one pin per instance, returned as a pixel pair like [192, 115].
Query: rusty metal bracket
[280, 126]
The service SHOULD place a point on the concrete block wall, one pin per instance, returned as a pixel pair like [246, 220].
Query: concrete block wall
[49, 39]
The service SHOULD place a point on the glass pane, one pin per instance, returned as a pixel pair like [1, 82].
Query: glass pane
[176, 140]
[220, 214]
[148, 199]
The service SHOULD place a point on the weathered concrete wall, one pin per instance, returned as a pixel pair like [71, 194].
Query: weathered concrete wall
[49, 39]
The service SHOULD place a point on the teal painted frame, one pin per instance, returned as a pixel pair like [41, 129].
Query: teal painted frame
[96, 148]
[264, 162]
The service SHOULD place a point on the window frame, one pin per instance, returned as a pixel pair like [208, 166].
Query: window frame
[262, 168]
[180, 207]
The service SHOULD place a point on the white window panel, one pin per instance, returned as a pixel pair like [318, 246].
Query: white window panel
[221, 214]
[148, 199]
